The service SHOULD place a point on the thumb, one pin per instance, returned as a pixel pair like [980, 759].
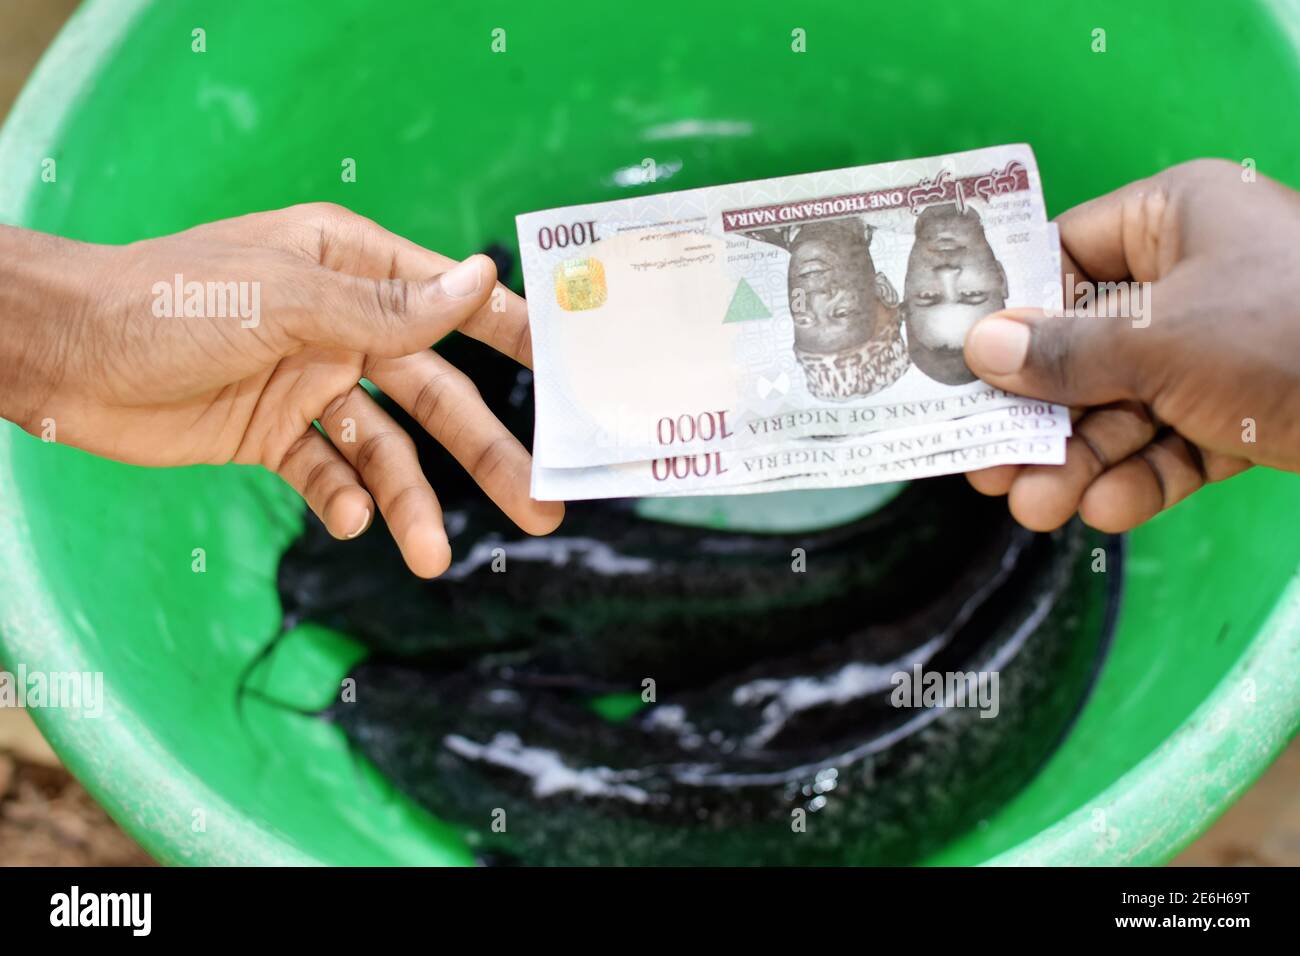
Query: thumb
[391, 317]
[1070, 361]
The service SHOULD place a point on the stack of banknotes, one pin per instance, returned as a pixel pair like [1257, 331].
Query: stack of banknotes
[799, 332]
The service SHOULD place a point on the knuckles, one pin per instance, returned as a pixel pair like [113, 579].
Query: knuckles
[1207, 170]
[392, 296]
[317, 213]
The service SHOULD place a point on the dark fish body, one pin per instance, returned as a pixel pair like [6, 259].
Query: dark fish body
[772, 737]
[718, 772]
[611, 598]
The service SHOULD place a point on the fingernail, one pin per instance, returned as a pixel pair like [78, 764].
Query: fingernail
[365, 523]
[999, 346]
[463, 279]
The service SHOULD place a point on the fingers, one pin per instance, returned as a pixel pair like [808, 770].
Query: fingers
[1157, 477]
[1044, 497]
[1125, 234]
[1141, 230]
[443, 400]
[995, 481]
[1120, 471]
[1218, 208]
[503, 324]
[385, 458]
[1070, 361]
[346, 242]
[1091, 359]
[329, 485]
[393, 316]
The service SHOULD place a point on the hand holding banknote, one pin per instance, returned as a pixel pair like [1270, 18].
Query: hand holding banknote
[800, 332]
[1205, 388]
[1204, 385]
[1192, 387]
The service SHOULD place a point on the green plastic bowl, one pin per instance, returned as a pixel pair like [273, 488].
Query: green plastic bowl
[451, 140]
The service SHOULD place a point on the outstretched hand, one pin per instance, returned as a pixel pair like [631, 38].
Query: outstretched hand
[291, 310]
[1200, 387]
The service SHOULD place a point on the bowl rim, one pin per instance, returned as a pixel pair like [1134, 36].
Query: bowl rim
[1163, 802]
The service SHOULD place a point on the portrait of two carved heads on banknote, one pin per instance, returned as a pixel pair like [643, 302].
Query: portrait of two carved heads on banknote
[854, 334]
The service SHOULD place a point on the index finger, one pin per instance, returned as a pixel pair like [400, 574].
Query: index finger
[1117, 236]
[501, 322]
[353, 244]
[445, 402]
[1141, 231]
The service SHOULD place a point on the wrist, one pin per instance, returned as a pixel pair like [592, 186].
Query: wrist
[45, 285]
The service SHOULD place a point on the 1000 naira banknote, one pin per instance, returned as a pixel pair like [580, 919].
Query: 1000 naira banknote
[740, 317]
[844, 457]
